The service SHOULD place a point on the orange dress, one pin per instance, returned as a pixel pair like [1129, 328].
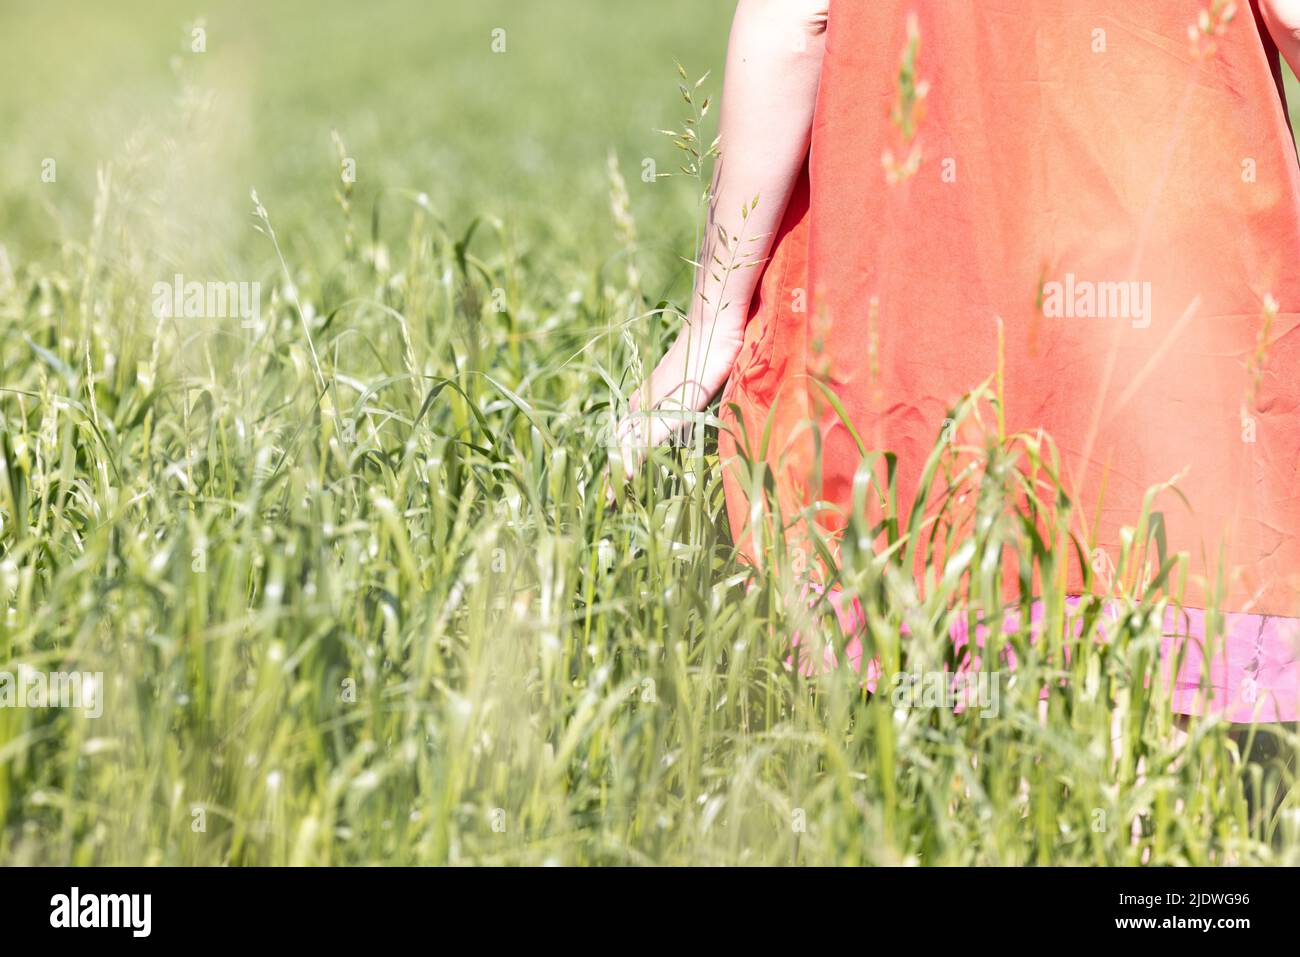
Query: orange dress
[1125, 198]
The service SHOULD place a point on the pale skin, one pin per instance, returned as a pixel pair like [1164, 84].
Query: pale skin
[1283, 19]
[774, 61]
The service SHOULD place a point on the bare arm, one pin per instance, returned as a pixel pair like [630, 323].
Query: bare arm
[773, 68]
[1283, 20]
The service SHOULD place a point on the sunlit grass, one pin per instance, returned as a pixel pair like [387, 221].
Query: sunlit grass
[357, 597]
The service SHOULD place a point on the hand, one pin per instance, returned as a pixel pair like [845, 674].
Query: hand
[636, 433]
[678, 398]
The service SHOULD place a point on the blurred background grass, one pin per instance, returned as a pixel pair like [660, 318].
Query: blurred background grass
[413, 88]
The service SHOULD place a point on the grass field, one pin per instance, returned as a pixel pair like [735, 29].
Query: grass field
[346, 568]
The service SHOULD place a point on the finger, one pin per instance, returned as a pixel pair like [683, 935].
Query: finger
[607, 485]
[629, 451]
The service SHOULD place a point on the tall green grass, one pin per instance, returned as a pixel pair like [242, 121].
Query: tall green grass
[350, 575]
